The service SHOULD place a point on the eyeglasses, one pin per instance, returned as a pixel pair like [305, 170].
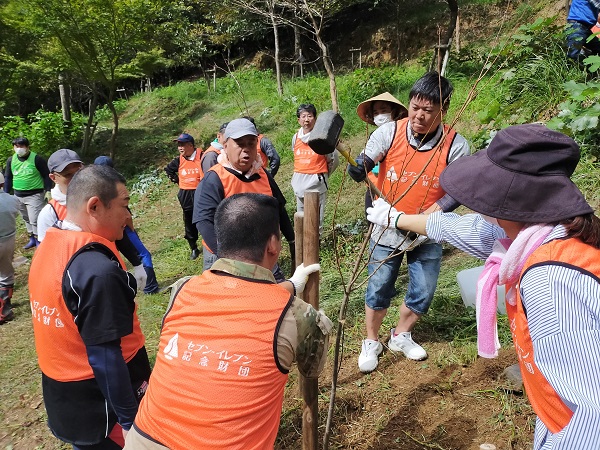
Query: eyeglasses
[68, 175]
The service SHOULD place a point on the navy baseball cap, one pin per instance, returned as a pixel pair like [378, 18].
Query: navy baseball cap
[184, 137]
[104, 161]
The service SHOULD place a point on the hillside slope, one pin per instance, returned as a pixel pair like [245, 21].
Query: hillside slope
[453, 400]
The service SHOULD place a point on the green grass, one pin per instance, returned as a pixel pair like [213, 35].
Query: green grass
[150, 121]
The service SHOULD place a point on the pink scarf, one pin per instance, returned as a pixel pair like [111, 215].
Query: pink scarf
[503, 267]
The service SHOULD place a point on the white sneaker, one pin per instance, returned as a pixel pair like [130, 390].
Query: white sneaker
[403, 343]
[369, 355]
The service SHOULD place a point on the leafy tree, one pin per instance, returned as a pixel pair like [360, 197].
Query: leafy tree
[271, 12]
[21, 75]
[95, 39]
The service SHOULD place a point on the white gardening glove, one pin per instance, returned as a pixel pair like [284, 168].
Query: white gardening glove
[382, 213]
[300, 276]
[140, 276]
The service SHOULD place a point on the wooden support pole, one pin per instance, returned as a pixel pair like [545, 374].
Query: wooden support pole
[310, 252]
[299, 232]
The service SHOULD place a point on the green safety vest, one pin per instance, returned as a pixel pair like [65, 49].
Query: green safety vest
[26, 177]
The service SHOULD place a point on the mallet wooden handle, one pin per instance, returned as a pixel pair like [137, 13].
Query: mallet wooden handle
[346, 154]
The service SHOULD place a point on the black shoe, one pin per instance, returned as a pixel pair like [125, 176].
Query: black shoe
[33, 242]
[195, 254]
[6, 315]
[6, 312]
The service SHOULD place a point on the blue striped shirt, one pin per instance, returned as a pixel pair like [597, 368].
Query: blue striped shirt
[563, 314]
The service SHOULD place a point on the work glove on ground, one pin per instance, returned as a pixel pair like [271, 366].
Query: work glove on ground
[300, 276]
[382, 213]
[140, 276]
[364, 164]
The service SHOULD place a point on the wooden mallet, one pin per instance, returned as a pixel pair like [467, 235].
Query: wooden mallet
[325, 139]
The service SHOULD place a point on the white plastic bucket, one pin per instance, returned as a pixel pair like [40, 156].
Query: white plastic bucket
[467, 282]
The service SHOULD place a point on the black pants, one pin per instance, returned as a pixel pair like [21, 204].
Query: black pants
[107, 444]
[191, 232]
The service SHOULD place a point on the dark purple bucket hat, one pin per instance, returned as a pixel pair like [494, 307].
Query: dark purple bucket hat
[523, 176]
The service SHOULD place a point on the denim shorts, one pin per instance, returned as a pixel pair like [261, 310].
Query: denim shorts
[423, 271]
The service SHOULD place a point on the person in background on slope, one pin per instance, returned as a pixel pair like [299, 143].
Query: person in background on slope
[88, 339]
[9, 208]
[27, 175]
[540, 239]
[63, 164]
[419, 144]
[151, 284]
[211, 154]
[379, 110]
[582, 22]
[239, 171]
[311, 170]
[258, 330]
[186, 171]
[266, 151]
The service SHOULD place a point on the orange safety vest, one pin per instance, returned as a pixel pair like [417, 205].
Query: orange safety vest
[59, 210]
[402, 164]
[210, 149]
[373, 178]
[306, 160]
[190, 171]
[544, 400]
[61, 352]
[216, 382]
[262, 154]
[233, 185]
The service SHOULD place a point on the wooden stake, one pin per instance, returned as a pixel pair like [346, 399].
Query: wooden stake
[298, 230]
[310, 252]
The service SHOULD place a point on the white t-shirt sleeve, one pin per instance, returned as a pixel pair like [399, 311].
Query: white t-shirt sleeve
[46, 219]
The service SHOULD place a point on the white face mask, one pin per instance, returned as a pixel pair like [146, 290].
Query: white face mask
[380, 119]
[491, 220]
[20, 151]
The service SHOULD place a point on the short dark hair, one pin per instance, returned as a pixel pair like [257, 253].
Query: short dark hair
[21, 142]
[222, 127]
[308, 107]
[244, 223]
[430, 86]
[94, 181]
[251, 119]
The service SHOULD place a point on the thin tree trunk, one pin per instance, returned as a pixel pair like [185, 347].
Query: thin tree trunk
[453, 6]
[65, 101]
[326, 59]
[277, 60]
[330, 72]
[115, 116]
[87, 135]
[297, 47]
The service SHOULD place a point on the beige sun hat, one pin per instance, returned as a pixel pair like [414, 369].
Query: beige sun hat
[364, 109]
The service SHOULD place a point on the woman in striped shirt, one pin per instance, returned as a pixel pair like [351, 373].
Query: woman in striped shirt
[541, 240]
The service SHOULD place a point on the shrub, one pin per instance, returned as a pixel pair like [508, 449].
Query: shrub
[579, 115]
[105, 114]
[46, 131]
[531, 74]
